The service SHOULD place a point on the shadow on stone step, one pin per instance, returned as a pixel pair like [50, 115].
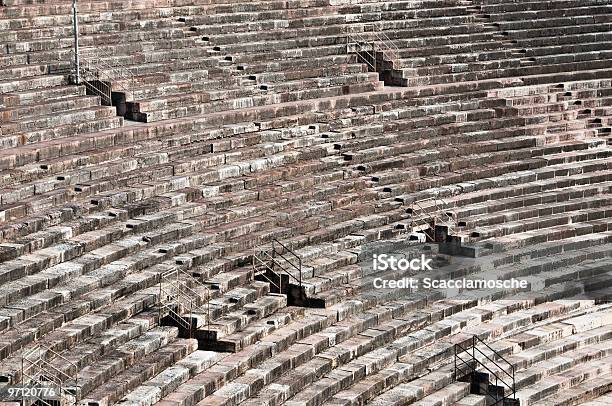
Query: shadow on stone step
[296, 295]
[480, 385]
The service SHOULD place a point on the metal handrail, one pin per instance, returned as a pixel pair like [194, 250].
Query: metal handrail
[187, 288]
[360, 40]
[175, 316]
[382, 41]
[105, 68]
[100, 67]
[481, 364]
[118, 67]
[96, 51]
[389, 43]
[475, 340]
[386, 42]
[94, 67]
[446, 219]
[278, 286]
[182, 295]
[273, 258]
[297, 266]
[474, 347]
[101, 89]
[38, 398]
[51, 366]
[101, 72]
[495, 398]
[181, 285]
[42, 367]
[33, 378]
[54, 354]
[32, 351]
[449, 218]
[264, 258]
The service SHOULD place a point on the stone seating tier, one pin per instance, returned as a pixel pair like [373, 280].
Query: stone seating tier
[262, 125]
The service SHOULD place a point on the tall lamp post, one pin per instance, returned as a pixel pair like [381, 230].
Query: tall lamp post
[75, 27]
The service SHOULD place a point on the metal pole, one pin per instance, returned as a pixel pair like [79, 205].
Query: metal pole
[455, 362]
[75, 28]
[161, 280]
[23, 402]
[374, 54]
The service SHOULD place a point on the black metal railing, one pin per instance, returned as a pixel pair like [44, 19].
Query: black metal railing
[179, 301]
[38, 372]
[369, 42]
[474, 363]
[425, 214]
[279, 260]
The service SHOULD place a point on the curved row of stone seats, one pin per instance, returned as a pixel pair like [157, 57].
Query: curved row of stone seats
[429, 57]
[237, 49]
[554, 357]
[103, 342]
[500, 204]
[126, 352]
[586, 105]
[308, 84]
[135, 349]
[190, 110]
[107, 274]
[193, 130]
[121, 310]
[44, 107]
[158, 365]
[166, 382]
[189, 64]
[129, 132]
[379, 360]
[580, 266]
[434, 383]
[149, 30]
[37, 42]
[182, 259]
[313, 336]
[68, 295]
[290, 347]
[248, 46]
[80, 179]
[101, 24]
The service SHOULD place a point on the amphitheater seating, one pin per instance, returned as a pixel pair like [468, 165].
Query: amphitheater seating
[497, 40]
[255, 124]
